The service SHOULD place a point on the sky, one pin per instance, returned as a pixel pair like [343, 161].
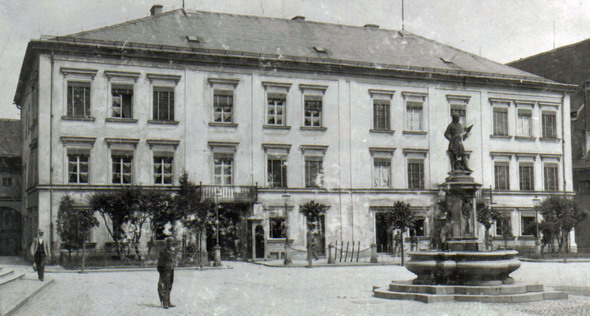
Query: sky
[500, 30]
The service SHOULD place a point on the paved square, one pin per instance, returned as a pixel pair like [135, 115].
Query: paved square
[250, 289]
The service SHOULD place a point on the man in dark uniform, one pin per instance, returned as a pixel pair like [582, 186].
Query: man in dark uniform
[40, 251]
[166, 270]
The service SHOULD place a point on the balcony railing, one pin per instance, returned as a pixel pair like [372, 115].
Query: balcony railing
[228, 193]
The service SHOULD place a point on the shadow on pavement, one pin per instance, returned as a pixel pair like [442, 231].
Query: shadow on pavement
[151, 305]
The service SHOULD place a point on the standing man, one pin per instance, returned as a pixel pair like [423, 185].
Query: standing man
[397, 243]
[166, 270]
[40, 251]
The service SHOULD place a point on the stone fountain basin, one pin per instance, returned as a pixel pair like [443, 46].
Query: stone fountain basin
[463, 267]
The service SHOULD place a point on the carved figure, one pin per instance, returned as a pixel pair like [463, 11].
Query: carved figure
[466, 209]
[455, 134]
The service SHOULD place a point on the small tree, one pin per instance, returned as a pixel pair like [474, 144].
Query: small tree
[193, 213]
[162, 213]
[114, 207]
[313, 212]
[549, 231]
[565, 213]
[401, 217]
[145, 206]
[73, 225]
[487, 216]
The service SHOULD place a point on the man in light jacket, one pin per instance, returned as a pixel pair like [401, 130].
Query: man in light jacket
[40, 251]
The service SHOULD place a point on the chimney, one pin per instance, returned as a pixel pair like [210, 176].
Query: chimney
[298, 18]
[156, 9]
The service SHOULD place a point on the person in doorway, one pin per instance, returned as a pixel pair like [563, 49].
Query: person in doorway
[40, 251]
[413, 242]
[310, 247]
[166, 271]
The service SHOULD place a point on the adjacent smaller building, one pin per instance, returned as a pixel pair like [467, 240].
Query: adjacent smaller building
[10, 188]
[571, 64]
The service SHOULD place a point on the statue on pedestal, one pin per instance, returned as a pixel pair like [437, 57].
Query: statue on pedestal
[455, 134]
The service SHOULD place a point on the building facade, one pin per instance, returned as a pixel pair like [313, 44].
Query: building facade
[569, 64]
[273, 113]
[10, 188]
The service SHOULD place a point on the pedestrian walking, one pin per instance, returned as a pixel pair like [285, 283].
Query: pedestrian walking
[166, 270]
[40, 251]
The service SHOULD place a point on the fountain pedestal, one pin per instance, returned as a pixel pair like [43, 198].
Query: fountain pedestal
[461, 272]
[459, 211]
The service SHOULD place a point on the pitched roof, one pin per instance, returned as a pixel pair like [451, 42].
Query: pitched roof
[568, 64]
[263, 35]
[10, 138]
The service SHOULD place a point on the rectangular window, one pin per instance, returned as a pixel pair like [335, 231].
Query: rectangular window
[223, 169]
[583, 187]
[122, 104]
[277, 172]
[163, 104]
[414, 115]
[551, 176]
[524, 124]
[381, 115]
[460, 110]
[418, 230]
[500, 122]
[77, 168]
[503, 226]
[275, 111]
[78, 99]
[549, 125]
[502, 176]
[527, 177]
[416, 174]
[122, 166]
[313, 172]
[6, 182]
[382, 173]
[223, 103]
[313, 111]
[163, 170]
[277, 227]
[528, 225]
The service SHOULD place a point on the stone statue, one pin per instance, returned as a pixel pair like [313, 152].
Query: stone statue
[466, 209]
[455, 134]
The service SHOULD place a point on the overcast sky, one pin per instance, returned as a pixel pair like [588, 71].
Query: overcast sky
[501, 30]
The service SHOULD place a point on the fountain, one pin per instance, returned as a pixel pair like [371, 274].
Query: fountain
[457, 270]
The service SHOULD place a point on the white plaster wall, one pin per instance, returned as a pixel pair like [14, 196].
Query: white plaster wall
[347, 115]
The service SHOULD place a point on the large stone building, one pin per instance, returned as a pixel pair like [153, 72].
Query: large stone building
[10, 188]
[569, 64]
[272, 113]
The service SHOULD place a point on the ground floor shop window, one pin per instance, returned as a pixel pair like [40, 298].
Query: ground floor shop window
[277, 227]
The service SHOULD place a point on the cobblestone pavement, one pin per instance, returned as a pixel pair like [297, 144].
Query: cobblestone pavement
[249, 289]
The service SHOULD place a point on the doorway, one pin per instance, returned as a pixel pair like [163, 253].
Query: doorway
[383, 234]
[318, 231]
[259, 247]
[10, 232]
